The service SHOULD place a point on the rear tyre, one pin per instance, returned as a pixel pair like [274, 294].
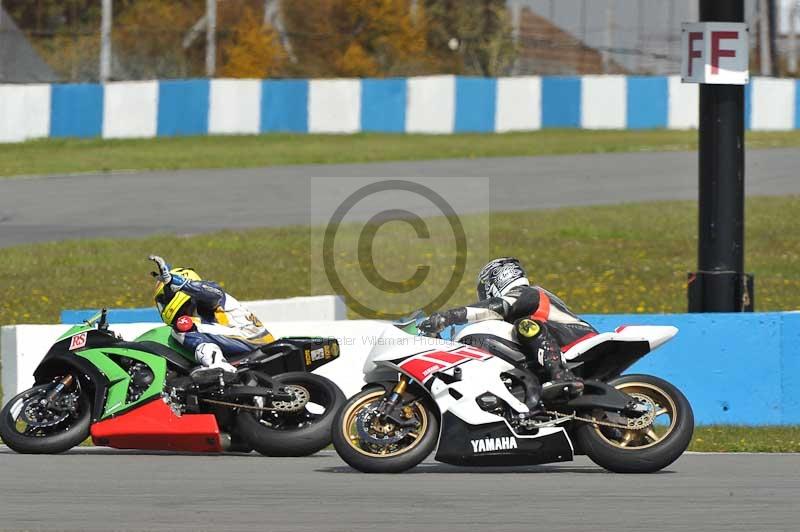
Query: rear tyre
[29, 428]
[357, 435]
[295, 430]
[651, 443]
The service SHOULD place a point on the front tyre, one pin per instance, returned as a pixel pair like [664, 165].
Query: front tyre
[373, 446]
[30, 427]
[649, 443]
[296, 428]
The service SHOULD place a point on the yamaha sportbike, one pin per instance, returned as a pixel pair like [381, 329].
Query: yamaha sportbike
[145, 395]
[469, 403]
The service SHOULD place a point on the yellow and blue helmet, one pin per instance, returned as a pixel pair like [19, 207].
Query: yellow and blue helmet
[171, 303]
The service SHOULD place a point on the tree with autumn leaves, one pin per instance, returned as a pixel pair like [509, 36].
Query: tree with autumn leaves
[398, 37]
[356, 38]
[309, 38]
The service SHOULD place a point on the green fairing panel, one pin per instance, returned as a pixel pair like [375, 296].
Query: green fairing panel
[75, 330]
[162, 335]
[118, 378]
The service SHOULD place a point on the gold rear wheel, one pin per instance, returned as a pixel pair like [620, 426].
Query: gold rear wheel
[642, 444]
[646, 431]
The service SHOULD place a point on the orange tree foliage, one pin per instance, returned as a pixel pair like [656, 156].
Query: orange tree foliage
[253, 50]
[355, 38]
[148, 37]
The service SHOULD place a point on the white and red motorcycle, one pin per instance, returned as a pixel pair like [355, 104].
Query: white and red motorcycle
[422, 391]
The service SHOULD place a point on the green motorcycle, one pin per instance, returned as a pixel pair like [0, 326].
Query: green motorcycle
[144, 395]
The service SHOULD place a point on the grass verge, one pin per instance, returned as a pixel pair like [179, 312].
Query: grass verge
[739, 439]
[604, 259]
[50, 156]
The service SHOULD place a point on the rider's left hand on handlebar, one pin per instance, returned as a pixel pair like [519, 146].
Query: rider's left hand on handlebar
[434, 324]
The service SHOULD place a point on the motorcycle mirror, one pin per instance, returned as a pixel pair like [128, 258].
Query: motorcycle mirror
[102, 325]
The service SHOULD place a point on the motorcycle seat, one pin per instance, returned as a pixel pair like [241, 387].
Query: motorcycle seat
[498, 347]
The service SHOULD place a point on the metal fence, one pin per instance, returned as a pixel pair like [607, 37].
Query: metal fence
[91, 40]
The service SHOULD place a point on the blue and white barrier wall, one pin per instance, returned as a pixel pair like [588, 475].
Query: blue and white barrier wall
[734, 368]
[311, 308]
[436, 104]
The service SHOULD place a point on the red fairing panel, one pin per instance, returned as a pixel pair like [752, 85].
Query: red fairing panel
[154, 426]
[422, 366]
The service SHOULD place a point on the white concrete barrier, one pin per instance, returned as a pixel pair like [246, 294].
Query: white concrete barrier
[24, 346]
[684, 100]
[334, 106]
[234, 106]
[24, 112]
[130, 109]
[773, 104]
[430, 105]
[519, 104]
[304, 309]
[603, 102]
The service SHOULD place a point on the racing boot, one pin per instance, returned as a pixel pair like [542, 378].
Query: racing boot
[530, 383]
[212, 362]
[563, 384]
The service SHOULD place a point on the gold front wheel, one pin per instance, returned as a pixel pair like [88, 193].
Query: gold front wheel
[373, 444]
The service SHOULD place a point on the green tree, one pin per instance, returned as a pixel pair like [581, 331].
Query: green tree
[472, 37]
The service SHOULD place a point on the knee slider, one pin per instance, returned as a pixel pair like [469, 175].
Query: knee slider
[527, 328]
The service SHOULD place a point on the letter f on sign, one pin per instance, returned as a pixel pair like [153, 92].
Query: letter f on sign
[694, 54]
[716, 53]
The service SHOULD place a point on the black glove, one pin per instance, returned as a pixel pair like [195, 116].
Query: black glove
[433, 324]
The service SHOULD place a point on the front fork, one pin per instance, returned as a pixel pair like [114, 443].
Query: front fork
[65, 382]
[388, 407]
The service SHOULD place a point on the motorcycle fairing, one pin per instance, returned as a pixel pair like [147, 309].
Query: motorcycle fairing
[464, 422]
[89, 375]
[651, 335]
[154, 426]
[596, 356]
[496, 444]
[119, 380]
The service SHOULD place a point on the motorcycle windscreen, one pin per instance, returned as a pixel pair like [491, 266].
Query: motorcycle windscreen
[495, 444]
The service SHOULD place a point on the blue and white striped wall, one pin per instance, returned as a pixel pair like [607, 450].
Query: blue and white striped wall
[735, 368]
[437, 104]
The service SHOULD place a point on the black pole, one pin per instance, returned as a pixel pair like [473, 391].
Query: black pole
[720, 285]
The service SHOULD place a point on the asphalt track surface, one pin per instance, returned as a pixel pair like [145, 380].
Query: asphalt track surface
[38, 209]
[100, 489]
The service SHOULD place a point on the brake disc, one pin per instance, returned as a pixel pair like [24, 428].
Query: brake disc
[369, 428]
[34, 414]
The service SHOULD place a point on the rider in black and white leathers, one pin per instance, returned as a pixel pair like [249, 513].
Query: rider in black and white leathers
[543, 325]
